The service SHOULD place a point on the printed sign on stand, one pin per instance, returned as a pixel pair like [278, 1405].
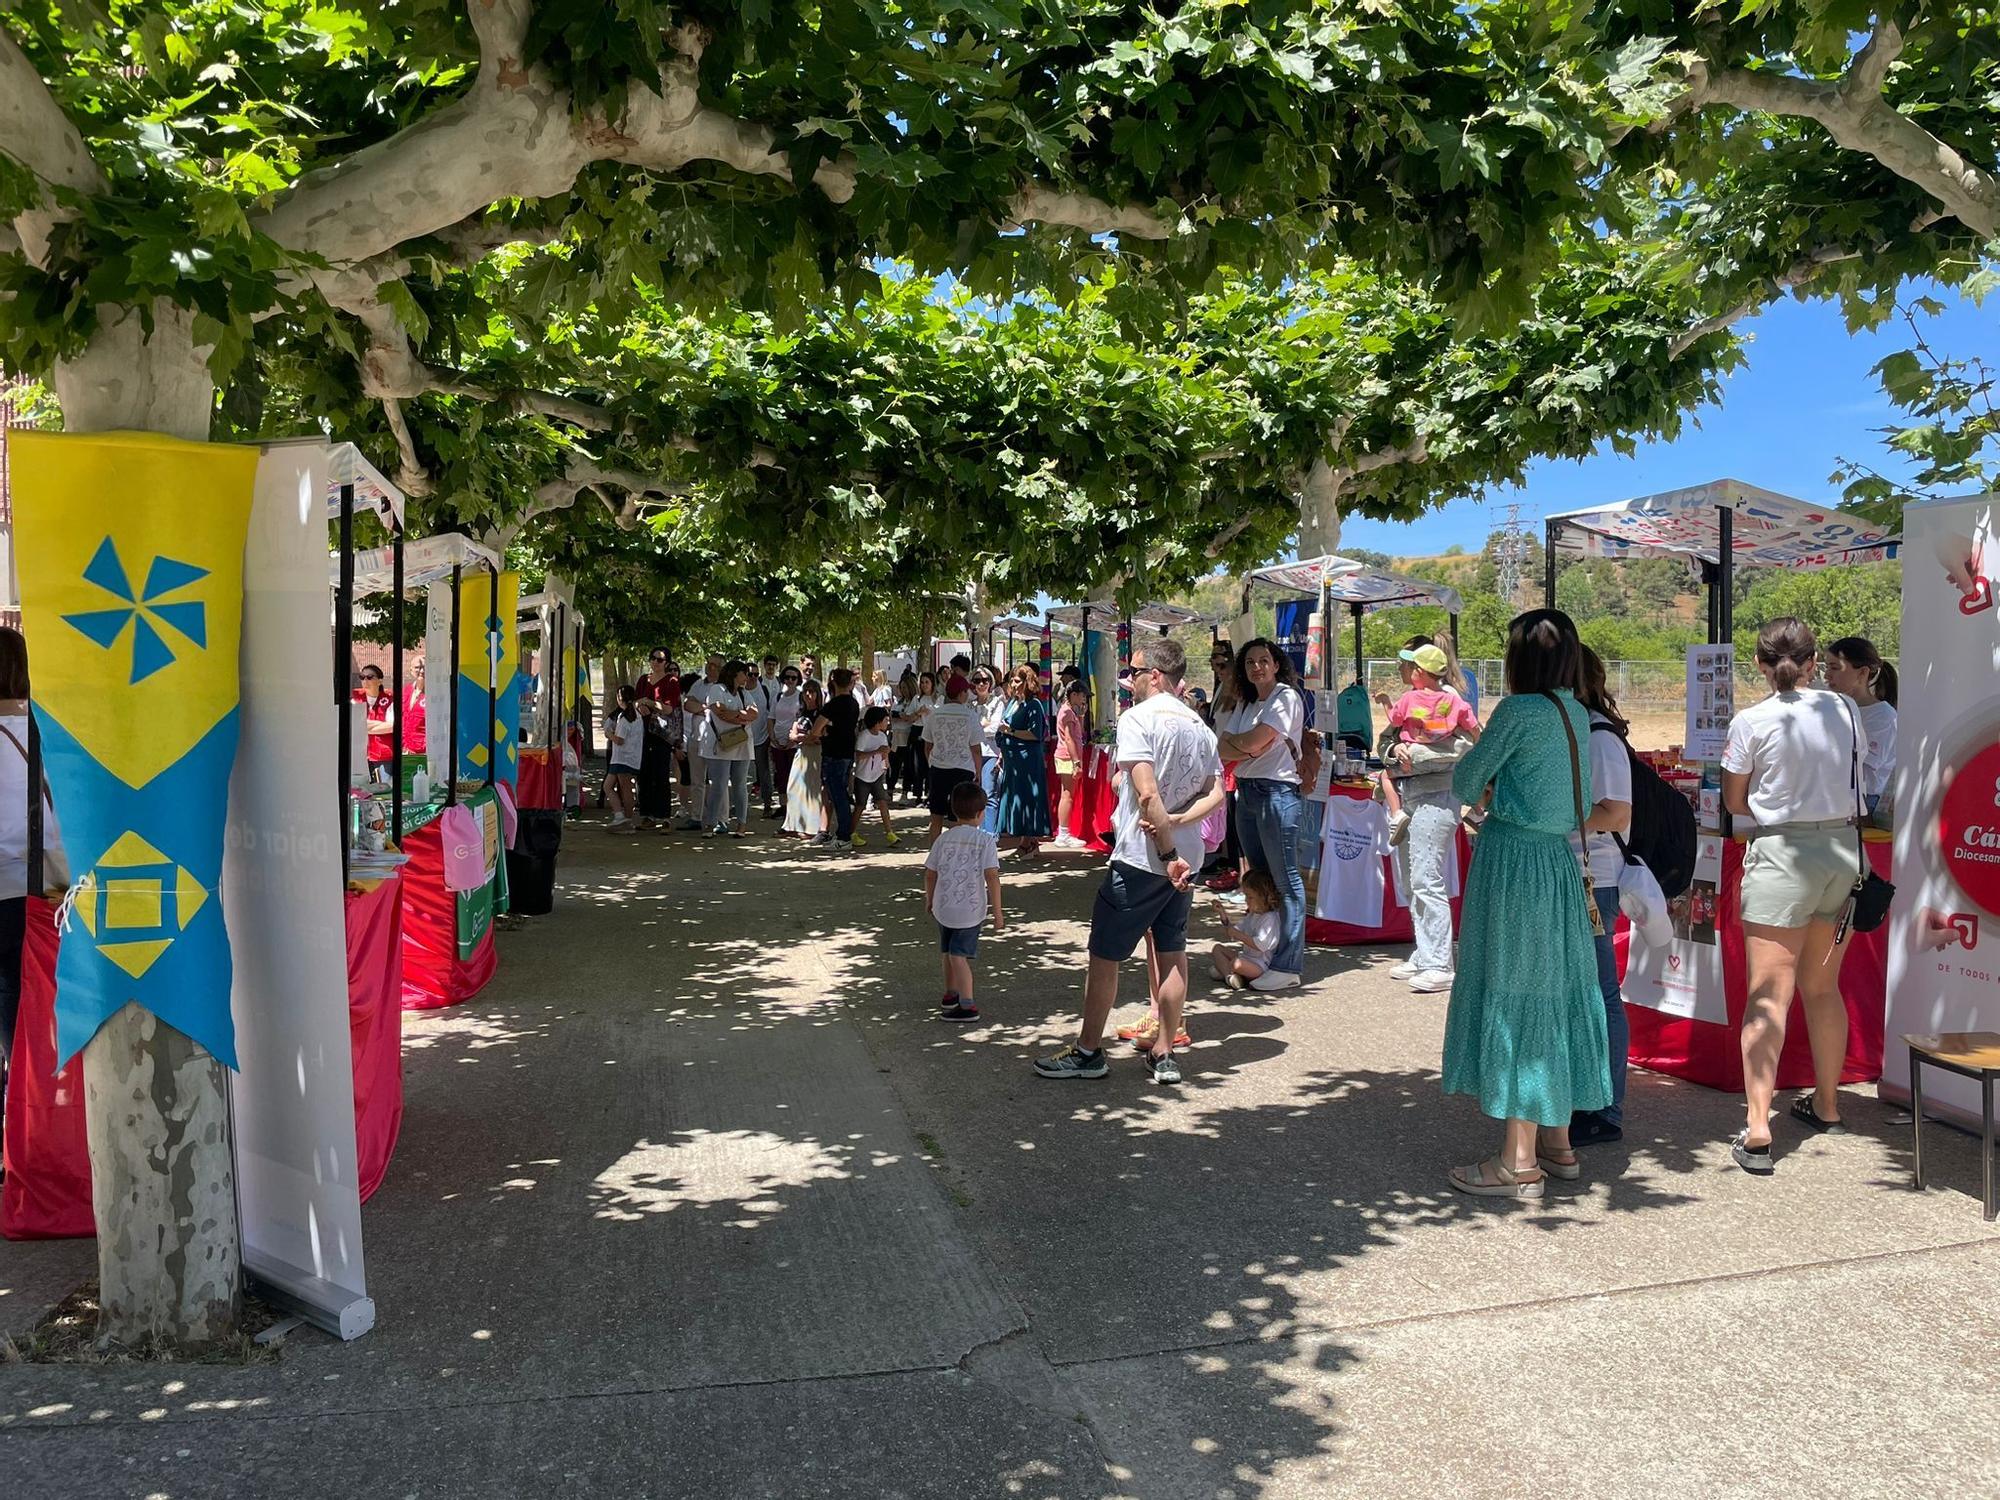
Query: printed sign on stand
[1944, 924]
[1683, 976]
[1711, 701]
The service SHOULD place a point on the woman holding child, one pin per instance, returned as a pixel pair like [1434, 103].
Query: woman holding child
[1435, 727]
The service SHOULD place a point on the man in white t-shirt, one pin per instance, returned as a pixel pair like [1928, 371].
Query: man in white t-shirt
[1171, 780]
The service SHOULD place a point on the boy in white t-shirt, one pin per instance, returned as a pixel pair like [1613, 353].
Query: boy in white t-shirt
[961, 879]
[871, 774]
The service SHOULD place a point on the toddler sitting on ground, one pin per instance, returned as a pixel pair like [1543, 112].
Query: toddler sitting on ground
[1256, 936]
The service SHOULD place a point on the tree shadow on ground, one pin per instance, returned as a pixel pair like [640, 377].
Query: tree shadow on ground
[706, 1131]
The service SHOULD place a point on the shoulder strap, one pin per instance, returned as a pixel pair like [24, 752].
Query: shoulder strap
[12, 740]
[1854, 776]
[1575, 768]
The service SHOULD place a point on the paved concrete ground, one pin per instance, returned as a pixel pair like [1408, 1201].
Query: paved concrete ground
[698, 1200]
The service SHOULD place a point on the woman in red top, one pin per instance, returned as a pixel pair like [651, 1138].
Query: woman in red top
[415, 712]
[381, 709]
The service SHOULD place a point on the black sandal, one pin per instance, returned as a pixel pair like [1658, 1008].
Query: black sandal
[1805, 1114]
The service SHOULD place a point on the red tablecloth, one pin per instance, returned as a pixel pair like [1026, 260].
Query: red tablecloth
[1091, 808]
[541, 782]
[433, 973]
[1397, 925]
[47, 1191]
[375, 1018]
[1709, 1053]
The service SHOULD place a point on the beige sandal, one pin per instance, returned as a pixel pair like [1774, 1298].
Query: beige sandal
[1554, 1163]
[1493, 1179]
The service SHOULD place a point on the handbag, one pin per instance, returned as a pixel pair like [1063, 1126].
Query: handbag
[1583, 834]
[1867, 905]
[736, 735]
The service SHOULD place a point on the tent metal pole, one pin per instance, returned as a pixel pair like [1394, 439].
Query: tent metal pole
[1725, 613]
[1360, 666]
[396, 685]
[494, 628]
[37, 882]
[457, 598]
[1551, 534]
[343, 664]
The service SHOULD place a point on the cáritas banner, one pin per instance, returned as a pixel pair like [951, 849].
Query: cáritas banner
[1944, 933]
[131, 562]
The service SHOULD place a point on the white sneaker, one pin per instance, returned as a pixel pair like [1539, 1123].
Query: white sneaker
[1432, 982]
[1405, 970]
[1275, 979]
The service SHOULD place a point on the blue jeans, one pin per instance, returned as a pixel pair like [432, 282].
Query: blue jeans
[1268, 815]
[989, 783]
[837, 778]
[1617, 1029]
[728, 793]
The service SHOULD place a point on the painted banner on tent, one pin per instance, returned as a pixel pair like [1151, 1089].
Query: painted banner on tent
[131, 552]
[489, 667]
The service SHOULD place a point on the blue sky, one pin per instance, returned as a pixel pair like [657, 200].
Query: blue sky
[1804, 400]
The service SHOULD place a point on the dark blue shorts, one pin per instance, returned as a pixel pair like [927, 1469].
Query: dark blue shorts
[1132, 902]
[959, 942]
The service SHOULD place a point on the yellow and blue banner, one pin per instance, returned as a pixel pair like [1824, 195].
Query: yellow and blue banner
[489, 637]
[130, 551]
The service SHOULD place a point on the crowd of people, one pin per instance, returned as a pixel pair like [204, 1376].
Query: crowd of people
[1213, 787]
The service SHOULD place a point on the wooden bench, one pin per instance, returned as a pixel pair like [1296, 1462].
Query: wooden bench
[1970, 1054]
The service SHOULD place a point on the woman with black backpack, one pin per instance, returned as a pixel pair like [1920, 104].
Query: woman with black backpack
[1610, 815]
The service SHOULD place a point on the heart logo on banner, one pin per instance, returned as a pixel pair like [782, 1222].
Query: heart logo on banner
[1673, 960]
[1981, 598]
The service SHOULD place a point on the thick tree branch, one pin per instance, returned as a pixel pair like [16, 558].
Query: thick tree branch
[1858, 117]
[38, 135]
[583, 474]
[411, 476]
[517, 134]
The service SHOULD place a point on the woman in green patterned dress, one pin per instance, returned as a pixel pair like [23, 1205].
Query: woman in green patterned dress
[1525, 1032]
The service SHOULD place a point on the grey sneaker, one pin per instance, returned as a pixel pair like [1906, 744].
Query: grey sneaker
[1073, 1062]
[1163, 1069]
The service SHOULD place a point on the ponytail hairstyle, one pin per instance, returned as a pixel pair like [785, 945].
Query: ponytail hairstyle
[1859, 651]
[1787, 646]
[1593, 693]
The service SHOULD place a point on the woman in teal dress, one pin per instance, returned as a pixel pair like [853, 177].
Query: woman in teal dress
[1525, 1032]
[1024, 767]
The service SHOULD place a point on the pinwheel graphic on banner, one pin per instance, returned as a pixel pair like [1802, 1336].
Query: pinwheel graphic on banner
[489, 640]
[130, 549]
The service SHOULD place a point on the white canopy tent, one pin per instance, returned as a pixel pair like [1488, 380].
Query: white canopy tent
[1361, 589]
[553, 615]
[1720, 526]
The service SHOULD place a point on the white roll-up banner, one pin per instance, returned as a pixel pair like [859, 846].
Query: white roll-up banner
[1944, 925]
[293, 1101]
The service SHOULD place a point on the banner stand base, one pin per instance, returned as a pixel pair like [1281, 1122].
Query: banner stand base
[344, 1314]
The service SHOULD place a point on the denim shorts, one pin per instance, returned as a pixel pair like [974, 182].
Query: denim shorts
[1132, 902]
[959, 942]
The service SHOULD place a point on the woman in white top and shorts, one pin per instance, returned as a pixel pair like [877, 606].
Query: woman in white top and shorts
[1791, 766]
